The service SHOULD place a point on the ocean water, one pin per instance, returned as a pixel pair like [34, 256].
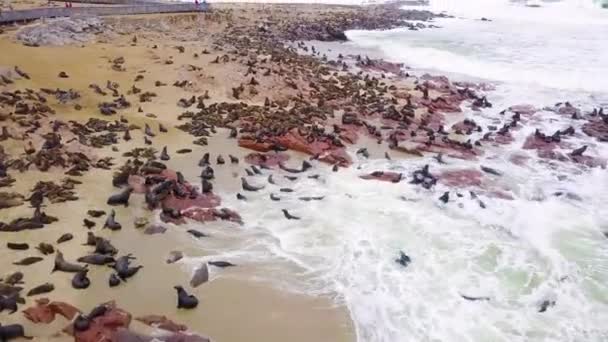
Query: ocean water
[537, 247]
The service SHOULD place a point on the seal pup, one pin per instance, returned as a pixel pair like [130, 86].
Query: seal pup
[233, 159]
[88, 223]
[45, 248]
[248, 187]
[96, 213]
[126, 136]
[147, 141]
[113, 280]
[445, 198]
[65, 237]
[148, 131]
[40, 289]
[28, 261]
[579, 151]
[288, 215]
[17, 246]
[185, 300]
[162, 128]
[80, 280]
[207, 173]
[164, 156]
[240, 197]
[204, 161]
[64, 266]
[545, 305]
[403, 259]
[220, 160]
[111, 223]
[121, 197]
[274, 198]
[221, 264]
[200, 276]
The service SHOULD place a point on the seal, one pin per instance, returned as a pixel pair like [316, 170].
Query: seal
[174, 256]
[220, 160]
[247, 187]
[579, 151]
[185, 300]
[96, 259]
[80, 280]
[445, 198]
[164, 155]
[96, 213]
[120, 198]
[162, 128]
[207, 173]
[9, 303]
[148, 131]
[64, 266]
[111, 223]
[221, 264]
[474, 299]
[274, 198]
[289, 216]
[40, 289]
[14, 278]
[17, 246]
[65, 237]
[256, 170]
[545, 305]
[196, 233]
[233, 159]
[207, 186]
[28, 261]
[403, 259]
[240, 197]
[270, 180]
[113, 281]
[12, 331]
[200, 276]
[123, 269]
[45, 248]
[249, 173]
[204, 161]
[88, 223]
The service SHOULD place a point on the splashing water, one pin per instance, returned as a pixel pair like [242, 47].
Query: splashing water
[519, 253]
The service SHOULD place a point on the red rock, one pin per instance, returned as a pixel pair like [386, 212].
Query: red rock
[137, 183]
[461, 178]
[267, 159]
[386, 176]
[201, 201]
[161, 322]
[44, 312]
[254, 145]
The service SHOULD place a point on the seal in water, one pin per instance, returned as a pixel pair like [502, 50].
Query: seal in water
[221, 264]
[45, 248]
[196, 233]
[289, 216]
[164, 155]
[174, 256]
[270, 180]
[256, 170]
[274, 198]
[80, 280]
[64, 266]
[40, 289]
[249, 173]
[111, 223]
[545, 305]
[474, 299]
[96, 259]
[445, 198]
[247, 187]
[28, 261]
[201, 275]
[114, 280]
[185, 300]
[240, 197]
[17, 246]
[12, 331]
[65, 238]
[121, 197]
[403, 259]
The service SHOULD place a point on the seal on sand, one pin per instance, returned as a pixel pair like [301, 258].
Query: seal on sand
[289, 216]
[121, 198]
[64, 266]
[185, 300]
[80, 280]
[111, 222]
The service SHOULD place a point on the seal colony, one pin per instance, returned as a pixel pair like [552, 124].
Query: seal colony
[281, 99]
